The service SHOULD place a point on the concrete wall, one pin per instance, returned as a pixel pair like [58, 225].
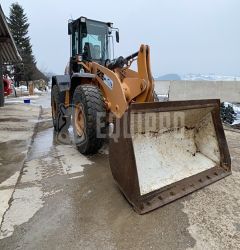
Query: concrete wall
[162, 87]
[190, 90]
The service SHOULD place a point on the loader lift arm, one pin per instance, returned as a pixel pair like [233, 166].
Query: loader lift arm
[121, 85]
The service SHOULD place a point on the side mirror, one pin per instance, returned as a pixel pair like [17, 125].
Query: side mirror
[70, 29]
[117, 36]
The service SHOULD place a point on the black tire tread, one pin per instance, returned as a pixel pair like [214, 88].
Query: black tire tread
[91, 98]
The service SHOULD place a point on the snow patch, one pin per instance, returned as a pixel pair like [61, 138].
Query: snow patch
[31, 97]
[72, 161]
[236, 109]
[75, 177]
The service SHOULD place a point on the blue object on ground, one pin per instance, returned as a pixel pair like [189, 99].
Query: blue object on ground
[26, 100]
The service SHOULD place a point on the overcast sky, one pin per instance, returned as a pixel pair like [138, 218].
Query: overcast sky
[185, 36]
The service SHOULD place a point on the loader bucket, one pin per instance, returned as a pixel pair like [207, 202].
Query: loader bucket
[166, 150]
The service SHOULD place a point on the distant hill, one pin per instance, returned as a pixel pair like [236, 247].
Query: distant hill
[168, 77]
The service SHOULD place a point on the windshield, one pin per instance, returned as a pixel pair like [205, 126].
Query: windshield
[94, 41]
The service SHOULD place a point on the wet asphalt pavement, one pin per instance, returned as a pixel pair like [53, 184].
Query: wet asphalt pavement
[64, 200]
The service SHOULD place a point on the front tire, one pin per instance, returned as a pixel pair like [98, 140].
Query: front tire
[88, 118]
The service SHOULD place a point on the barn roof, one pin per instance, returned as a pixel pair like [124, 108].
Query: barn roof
[7, 45]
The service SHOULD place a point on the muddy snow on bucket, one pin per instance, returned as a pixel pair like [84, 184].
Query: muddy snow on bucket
[170, 153]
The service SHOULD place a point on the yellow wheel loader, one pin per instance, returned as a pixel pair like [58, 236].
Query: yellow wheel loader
[158, 151]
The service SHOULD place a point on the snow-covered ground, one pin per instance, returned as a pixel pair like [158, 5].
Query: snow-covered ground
[36, 99]
[23, 91]
[209, 77]
[162, 98]
[236, 108]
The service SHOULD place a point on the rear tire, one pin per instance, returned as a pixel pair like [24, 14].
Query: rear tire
[88, 118]
[60, 115]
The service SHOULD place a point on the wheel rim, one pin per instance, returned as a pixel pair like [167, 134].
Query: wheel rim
[79, 120]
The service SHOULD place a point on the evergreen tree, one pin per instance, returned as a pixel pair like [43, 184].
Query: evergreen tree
[18, 23]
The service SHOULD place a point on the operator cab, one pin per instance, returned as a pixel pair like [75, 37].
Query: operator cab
[91, 41]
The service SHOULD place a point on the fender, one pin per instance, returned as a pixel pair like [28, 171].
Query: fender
[67, 83]
[62, 81]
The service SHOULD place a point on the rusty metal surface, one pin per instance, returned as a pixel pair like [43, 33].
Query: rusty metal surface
[123, 162]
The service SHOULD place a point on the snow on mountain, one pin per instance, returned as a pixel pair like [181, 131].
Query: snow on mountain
[209, 77]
